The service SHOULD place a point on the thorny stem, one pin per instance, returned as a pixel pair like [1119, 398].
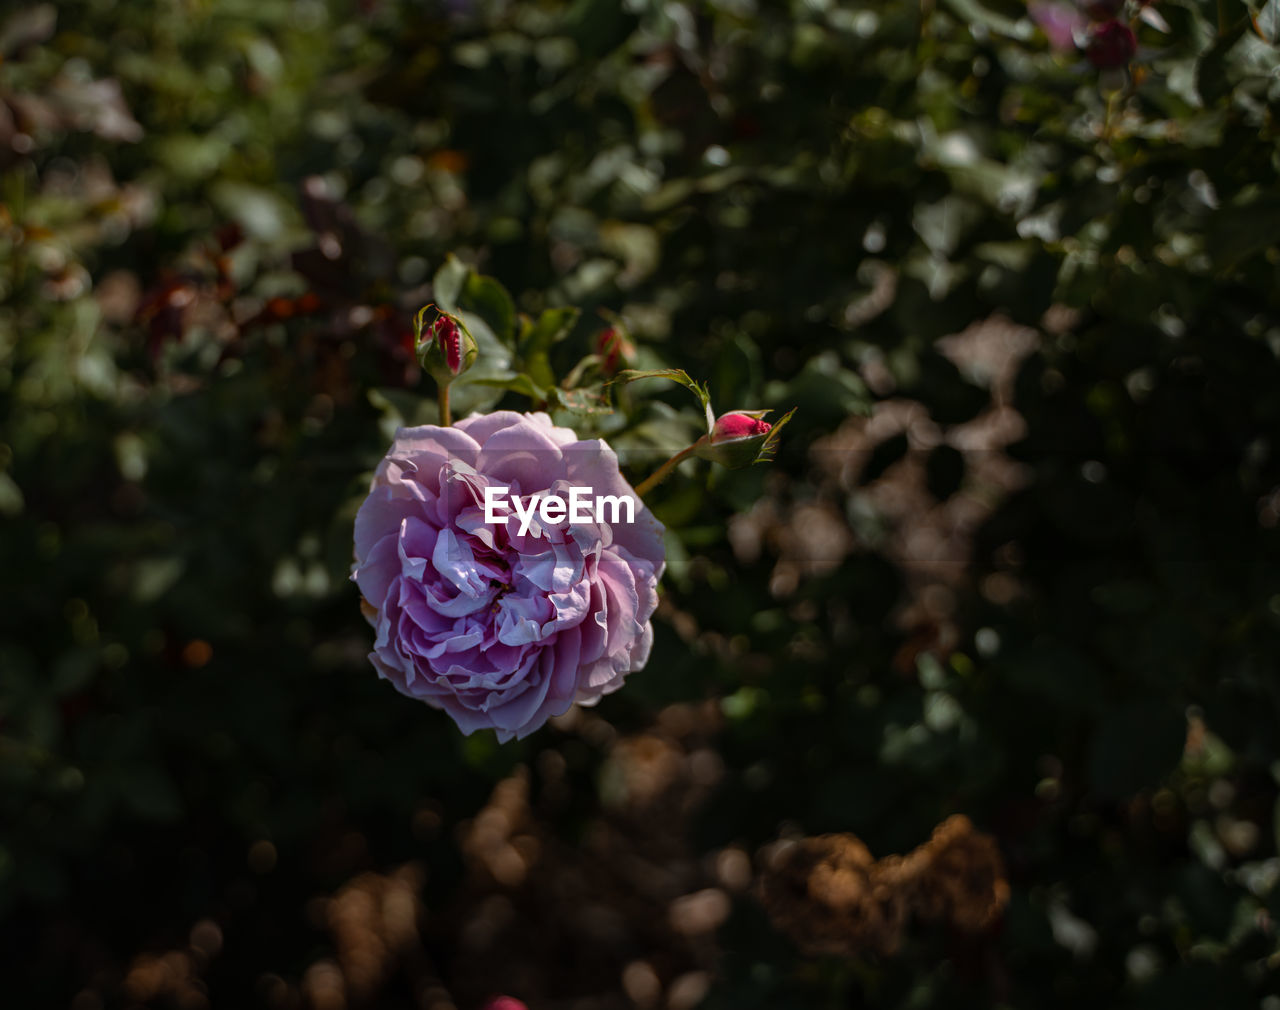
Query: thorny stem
[661, 474]
[445, 418]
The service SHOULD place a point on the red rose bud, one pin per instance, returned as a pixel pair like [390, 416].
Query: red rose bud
[737, 439]
[505, 1003]
[1111, 46]
[730, 426]
[614, 350]
[448, 349]
[445, 332]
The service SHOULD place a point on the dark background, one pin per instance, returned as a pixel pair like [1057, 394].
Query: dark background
[1017, 557]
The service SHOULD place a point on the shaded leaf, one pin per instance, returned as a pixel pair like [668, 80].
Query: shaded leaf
[1214, 77]
[28, 27]
[1267, 21]
[488, 299]
[520, 383]
[1237, 232]
[1136, 746]
[586, 400]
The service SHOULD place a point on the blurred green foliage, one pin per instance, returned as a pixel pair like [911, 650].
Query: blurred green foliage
[217, 222]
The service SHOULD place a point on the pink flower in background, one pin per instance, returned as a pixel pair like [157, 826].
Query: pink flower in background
[499, 628]
[505, 1003]
[1060, 22]
[1096, 26]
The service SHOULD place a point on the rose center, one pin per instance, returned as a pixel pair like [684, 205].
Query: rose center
[503, 588]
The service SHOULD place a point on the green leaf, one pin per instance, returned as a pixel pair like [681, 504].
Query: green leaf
[1136, 746]
[572, 380]
[154, 576]
[675, 375]
[28, 27]
[11, 500]
[473, 389]
[259, 210]
[588, 400]
[553, 325]
[1239, 231]
[974, 13]
[446, 286]
[520, 383]
[770, 447]
[536, 341]
[597, 26]
[1213, 72]
[151, 792]
[456, 287]
[490, 301]
[73, 671]
[1267, 22]
[825, 387]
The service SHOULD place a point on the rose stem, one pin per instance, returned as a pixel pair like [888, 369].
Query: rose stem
[445, 418]
[659, 475]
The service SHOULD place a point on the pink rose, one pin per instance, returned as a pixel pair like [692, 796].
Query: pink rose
[502, 628]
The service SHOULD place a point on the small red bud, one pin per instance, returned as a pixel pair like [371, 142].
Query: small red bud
[445, 349]
[738, 438]
[730, 426]
[445, 332]
[1111, 46]
[505, 1003]
[614, 349]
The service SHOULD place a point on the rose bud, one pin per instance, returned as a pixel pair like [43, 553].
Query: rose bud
[505, 1003]
[448, 349]
[738, 425]
[447, 335]
[614, 350]
[736, 439]
[1111, 46]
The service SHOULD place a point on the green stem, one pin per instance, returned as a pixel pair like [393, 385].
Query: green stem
[926, 8]
[1223, 17]
[445, 418]
[661, 474]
